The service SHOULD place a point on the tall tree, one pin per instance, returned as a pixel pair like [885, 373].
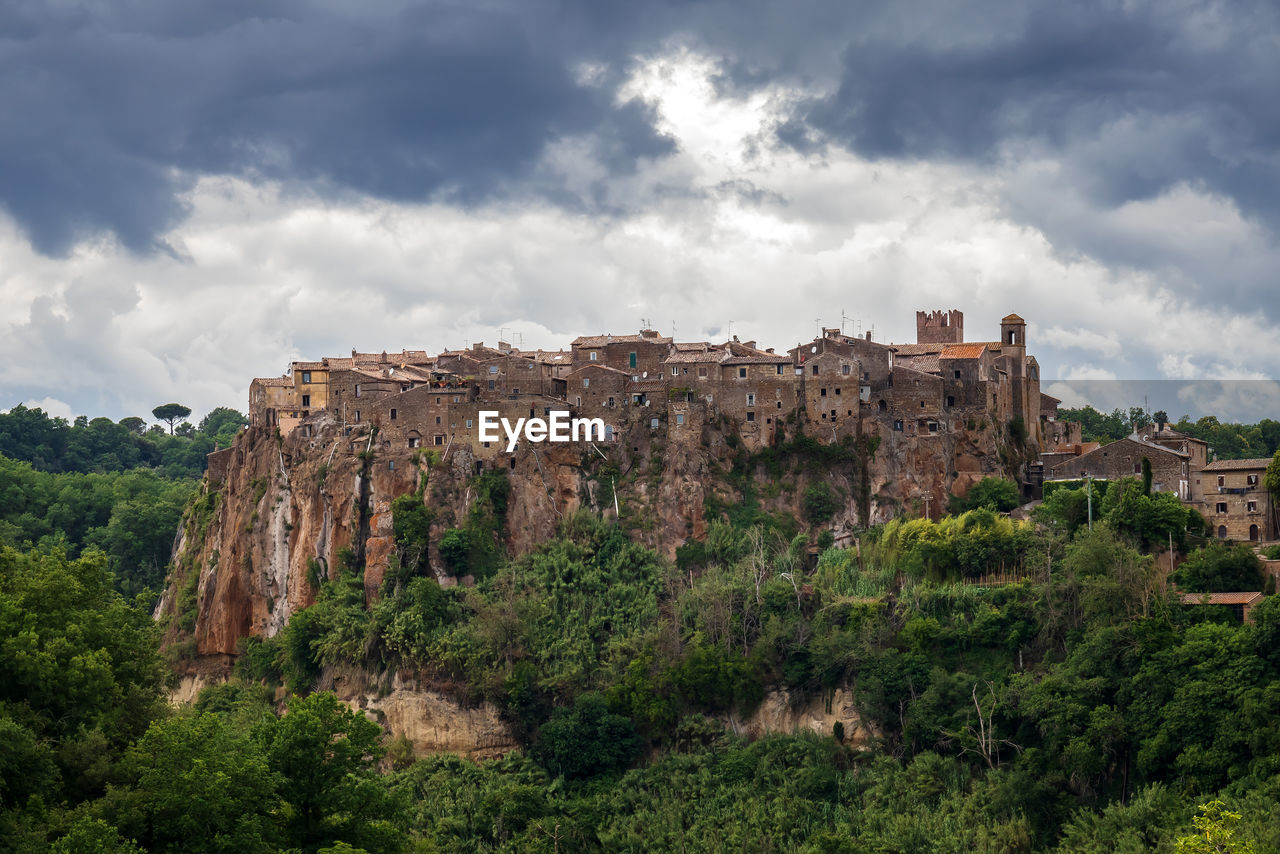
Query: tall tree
[171, 413]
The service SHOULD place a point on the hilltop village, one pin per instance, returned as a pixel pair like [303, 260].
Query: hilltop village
[836, 384]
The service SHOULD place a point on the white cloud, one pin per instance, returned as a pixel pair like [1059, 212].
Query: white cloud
[727, 229]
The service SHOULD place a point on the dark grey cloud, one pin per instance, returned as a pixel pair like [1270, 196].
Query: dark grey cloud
[113, 109]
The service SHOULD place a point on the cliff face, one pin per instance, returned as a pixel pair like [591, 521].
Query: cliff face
[279, 512]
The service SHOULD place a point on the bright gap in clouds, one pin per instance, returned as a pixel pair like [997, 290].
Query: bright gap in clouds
[731, 228]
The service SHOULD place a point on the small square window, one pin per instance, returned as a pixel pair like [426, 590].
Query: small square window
[1251, 507]
[742, 373]
[439, 439]
[837, 392]
[306, 376]
[751, 416]
[413, 441]
[1222, 507]
[702, 372]
[493, 369]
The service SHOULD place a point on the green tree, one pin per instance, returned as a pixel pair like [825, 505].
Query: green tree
[1215, 832]
[195, 783]
[327, 756]
[586, 740]
[1220, 568]
[171, 413]
[994, 493]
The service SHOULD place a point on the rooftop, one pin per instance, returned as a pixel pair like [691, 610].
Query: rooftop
[1221, 598]
[1238, 465]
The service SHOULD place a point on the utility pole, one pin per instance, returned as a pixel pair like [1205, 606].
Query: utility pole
[1088, 491]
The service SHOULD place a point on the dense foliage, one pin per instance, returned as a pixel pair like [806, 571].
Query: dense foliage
[1019, 686]
[1230, 441]
[102, 445]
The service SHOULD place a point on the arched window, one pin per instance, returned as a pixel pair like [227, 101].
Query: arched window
[1222, 532]
[882, 406]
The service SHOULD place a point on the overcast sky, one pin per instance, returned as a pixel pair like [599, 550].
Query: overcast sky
[193, 194]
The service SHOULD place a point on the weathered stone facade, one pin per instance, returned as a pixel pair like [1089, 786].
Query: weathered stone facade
[1233, 500]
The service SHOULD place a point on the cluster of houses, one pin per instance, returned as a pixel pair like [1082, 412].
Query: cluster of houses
[837, 384]
[1229, 493]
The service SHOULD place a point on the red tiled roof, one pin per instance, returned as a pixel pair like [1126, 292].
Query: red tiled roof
[1221, 598]
[601, 340]
[926, 364]
[1012, 318]
[1238, 465]
[918, 349]
[963, 351]
[275, 382]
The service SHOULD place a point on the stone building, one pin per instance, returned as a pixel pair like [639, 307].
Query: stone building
[1170, 469]
[835, 387]
[1234, 502]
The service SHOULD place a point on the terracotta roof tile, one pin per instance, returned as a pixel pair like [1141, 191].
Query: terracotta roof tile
[601, 340]
[1238, 465]
[1221, 598]
[963, 351]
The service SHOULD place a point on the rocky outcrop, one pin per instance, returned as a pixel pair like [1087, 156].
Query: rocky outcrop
[285, 511]
[777, 714]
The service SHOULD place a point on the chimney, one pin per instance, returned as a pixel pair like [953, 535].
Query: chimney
[868, 334]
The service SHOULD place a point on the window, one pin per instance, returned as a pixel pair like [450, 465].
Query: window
[837, 392]
[1137, 467]
[468, 423]
[357, 389]
[823, 393]
[357, 415]
[1222, 532]
[951, 400]
[815, 370]
[306, 400]
[779, 367]
[933, 426]
[1222, 480]
[455, 397]
[956, 373]
[306, 376]
[702, 372]
[437, 399]
[437, 419]
[577, 400]
[391, 464]
[844, 370]
[675, 371]
[491, 385]
[439, 439]
[413, 441]
[679, 419]
[922, 404]
[653, 423]
[586, 382]
[1251, 506]
[1251, 480]
[608, 432]
[593, 355]
[1222, 507]
[751, 400]
[631, 359]
[393, 415]
[514, 392]
[611, 401]
[742, 373]
[751, 416]
[897, 425]
[779, 404]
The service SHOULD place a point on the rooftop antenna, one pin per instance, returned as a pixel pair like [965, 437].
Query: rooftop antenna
[673, 330]
[502, 333]
[843, 318]
[817, 324]
[730, 331]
